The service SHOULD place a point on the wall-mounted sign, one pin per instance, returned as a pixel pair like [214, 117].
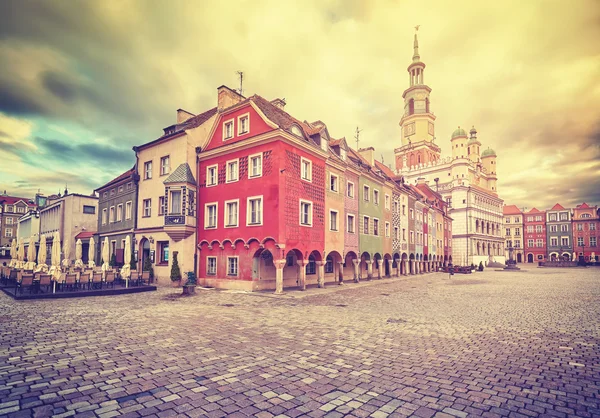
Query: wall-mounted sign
[135, 256]
[152, 256]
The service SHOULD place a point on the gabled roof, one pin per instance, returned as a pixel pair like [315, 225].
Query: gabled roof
[511, 210]
[11, 200]
[535, 210]
[123, 176]
[429, 192]
[583, 206]
[557, 207]
[385, 169]
[281, 118]
[182, 174]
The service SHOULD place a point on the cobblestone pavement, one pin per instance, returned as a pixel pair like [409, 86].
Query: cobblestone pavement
[487, 344]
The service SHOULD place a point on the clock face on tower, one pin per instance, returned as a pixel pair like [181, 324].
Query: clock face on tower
[409, 129]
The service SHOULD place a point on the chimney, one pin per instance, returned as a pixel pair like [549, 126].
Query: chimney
[421, 180]
[227, 98]
[368, 154]
[280, 103]
[183, 115]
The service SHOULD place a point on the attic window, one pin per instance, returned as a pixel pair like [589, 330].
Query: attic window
[228, 129]
[296, 130]
[323, 144]
[343, 154]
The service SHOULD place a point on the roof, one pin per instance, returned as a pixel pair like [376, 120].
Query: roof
[182, 174]
[481, 189]
[385, 169]
[429, 192]
[281, 118]
[11, 200]
[583, 206]
[123, 176]
[535, 210]
[511, 210]
[458, 132]
[558, 206]
[488, 153]
[85, 235]
[473, 140]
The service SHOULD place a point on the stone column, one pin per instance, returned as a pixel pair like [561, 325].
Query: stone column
[379, 265]
[369, 269]
[356, 270]
[320, 274]
[341, 272]
[397, 268]
[406, 267]
[302, 278]
[279, 265]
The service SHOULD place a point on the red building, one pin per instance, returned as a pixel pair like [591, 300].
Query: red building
[257, 159]
[586, 221]
[535, 235]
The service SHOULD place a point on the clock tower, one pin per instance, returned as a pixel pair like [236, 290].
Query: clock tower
[417, 123]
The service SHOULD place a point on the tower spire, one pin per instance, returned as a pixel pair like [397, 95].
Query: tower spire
[416, 56]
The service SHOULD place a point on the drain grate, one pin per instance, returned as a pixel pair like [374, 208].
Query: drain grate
[396, 321]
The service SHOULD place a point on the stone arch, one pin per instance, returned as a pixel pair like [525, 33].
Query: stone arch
[263, 266]
[387, 265]
[291, 269]
[349, 269]
[333, 267]
[365, 263]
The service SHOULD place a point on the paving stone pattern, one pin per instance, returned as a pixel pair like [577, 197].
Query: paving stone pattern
[492, 344]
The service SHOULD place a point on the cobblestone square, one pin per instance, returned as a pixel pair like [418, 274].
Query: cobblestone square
[517, 344]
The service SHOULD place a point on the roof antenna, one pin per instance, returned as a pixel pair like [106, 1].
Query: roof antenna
[241, 74]
[381, 158]
[358, 131]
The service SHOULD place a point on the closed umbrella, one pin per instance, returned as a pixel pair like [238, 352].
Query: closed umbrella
[126, 270]
[31, 254]
[42, 254]
[13, 252]
[21, 253]
[66, 263]
[55, 269]
[105, 256]
[92, 254]
[78, 254]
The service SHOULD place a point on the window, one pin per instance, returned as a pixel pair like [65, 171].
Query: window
[387, 229]
[232, 266]
[554, 242]
[105, 195]
[350, 189]
[164, 166]
[89, 209]
[517, 243]
[387, 201]
[147, 207]
[128, 210]
[530, 243]
[112, 192]
[404, 209]
[539, 243]
[538, 228]
[538, 218]
[8, 232]
[255, 166]
[366, 192]
[119, 212]
[232, 171]
[586, 215]
[366, 225]
[592, 241]
[592, 226]
[564, 216]
[305, 213]
[333, 220]
[412, 237]
[580, 227]
[147, 170]
[376, 197]
[161, 205]
[129, 186]
[564, 241]
[9, 221]
[553, 228]
[104, 213]
[396, 206]
[507, 231]
[530, 219]
[163, 252]
[507, 220]
[553, 217]
[243, 124]
[403, 234]
[211, 266]
[580, 241]
[329, 265]
[375, 226]
[412, 214]
[306, 169]
[210, 215]
[231, 213]
[529, 228]
[311, 267]
[228, 129]
[350, 225]
[111, 215]
[20, 209]
[254, 216]
[211, 175]
[334, 183]
[396, 233]
[517, 232]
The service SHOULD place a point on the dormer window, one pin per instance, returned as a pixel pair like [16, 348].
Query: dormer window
[296, 130]
[228, 129]
[343, 154]
[324, 144]
[244, 124]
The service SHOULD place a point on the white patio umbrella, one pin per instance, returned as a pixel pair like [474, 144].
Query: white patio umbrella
[55, 269]
[126, 269]
[42, 253]
[78, 254]
[13, 252]
[92, 254]
[105, 256]
[31, 254]
[66, 263]
[21, 253]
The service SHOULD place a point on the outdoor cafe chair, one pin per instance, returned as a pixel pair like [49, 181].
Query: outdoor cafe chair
[25, 280]
[70, 282]
[97, 281]
[110, 279]
[84, 280]
[45, 280]
[145, 278]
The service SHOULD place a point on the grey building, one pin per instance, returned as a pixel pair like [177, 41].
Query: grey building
[559, 233]
[117, 214]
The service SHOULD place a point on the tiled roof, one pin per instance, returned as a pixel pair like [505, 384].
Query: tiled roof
[85, 235]
[11, 200]
[511, 210]
[385, 169]
[197, 120]
[558, 206]
[182, 174]
[280, 117]
[535, 210]
[432, 194]
[583, 206]
[125, 175]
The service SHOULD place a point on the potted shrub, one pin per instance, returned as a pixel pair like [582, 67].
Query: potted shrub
[148, 267]
[480, 266]
[189, 288]
[175, 271]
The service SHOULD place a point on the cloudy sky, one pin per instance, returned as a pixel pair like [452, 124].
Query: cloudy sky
[82, 82]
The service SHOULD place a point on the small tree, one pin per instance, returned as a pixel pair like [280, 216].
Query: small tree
[481, 266]
[148, 267]
[175, 271]
[113, 260]
[191, 278]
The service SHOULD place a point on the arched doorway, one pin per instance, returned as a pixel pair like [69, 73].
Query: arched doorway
[332, 267]
[530, 258]
[263, 267]
[387, 265]
[519, 258]
[411, 263]
[144, 251]
[376, 270]
[349, 270]
[291, 270]
[365, 260]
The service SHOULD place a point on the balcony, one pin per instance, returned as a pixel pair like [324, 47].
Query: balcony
[176, 228]
[174, 220]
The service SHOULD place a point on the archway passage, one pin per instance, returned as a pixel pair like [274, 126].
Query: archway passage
[263, 266]
[387, 265]
[333, 269]
[144, 251]
[404, 264]
[566, 257]
[519, 258]
[350, 271]
[530, 258]
[291, 270]
[366, 266]
[377, 265]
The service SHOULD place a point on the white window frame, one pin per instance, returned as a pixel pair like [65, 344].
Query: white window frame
[119, 212]
[302, 162]
[239, 127]
[376, 197]
[149, 208]
[387, 229]
[353, 223]
[161, 206]
[336, 183]
[226, 214]
[310, 215]
[164, 172]
[148, 172]
[104, 216]
[237, 265]
[353, 189]
[227, 171]
[216, 168]
[387, 201]
[250, 166]
[249, 214]
[208, 272]
[337, 220]
[111, 215]
[366, 193]
[128, 207]
[376, 234]
[206, 206]
[9, 221]
[225, 123]
[368, 218]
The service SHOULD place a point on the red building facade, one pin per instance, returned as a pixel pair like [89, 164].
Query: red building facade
[586, 221]
[535, 235]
